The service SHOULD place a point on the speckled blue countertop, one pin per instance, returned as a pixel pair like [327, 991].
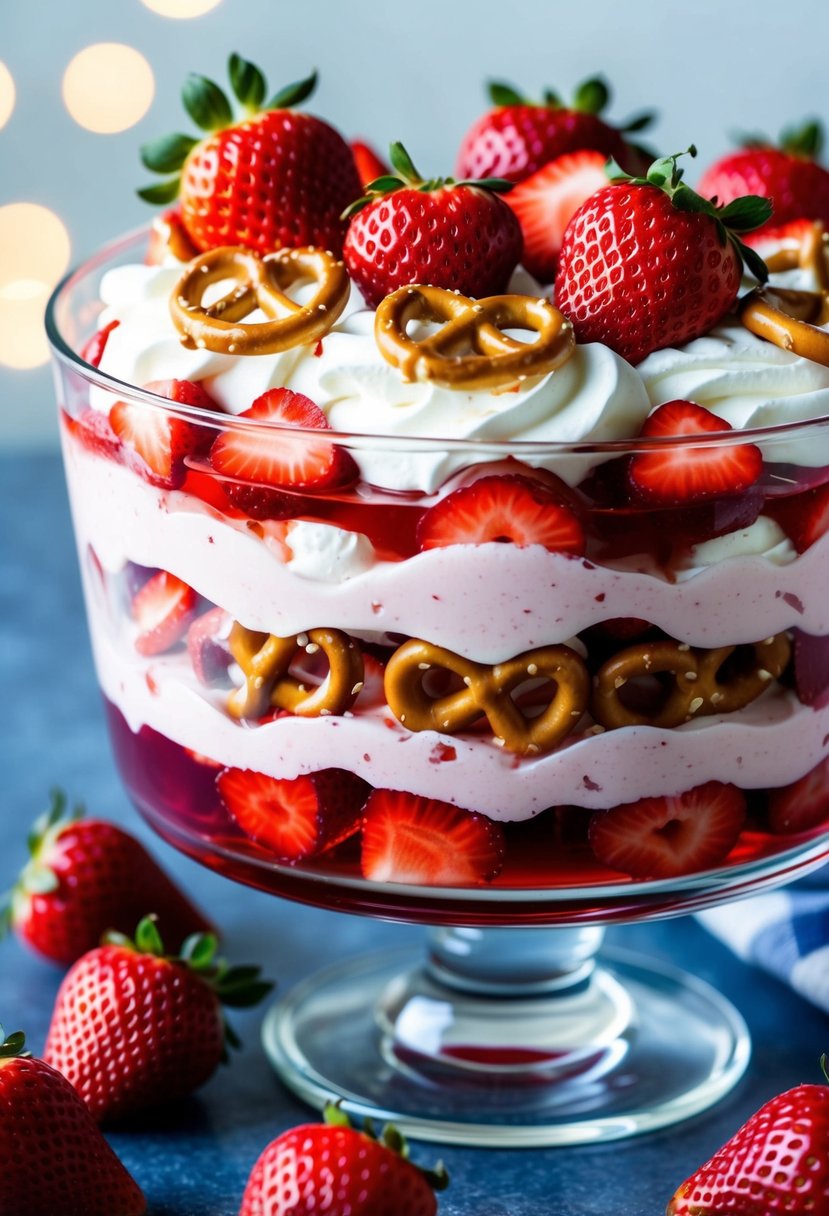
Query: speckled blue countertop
[194, 1161]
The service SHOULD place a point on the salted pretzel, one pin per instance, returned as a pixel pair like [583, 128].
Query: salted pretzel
[486, 693]
[700, 684]
[790, 318]
[470, 350]
[265, 660]
[258, 283]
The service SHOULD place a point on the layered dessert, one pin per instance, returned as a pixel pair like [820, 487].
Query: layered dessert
[404, 568]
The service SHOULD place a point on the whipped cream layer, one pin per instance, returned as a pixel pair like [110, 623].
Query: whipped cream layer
[487, 602]
[595, 396]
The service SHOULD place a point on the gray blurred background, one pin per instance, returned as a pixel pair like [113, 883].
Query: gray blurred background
[388, 70]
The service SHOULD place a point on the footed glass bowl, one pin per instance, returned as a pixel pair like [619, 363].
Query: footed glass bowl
[330, 687]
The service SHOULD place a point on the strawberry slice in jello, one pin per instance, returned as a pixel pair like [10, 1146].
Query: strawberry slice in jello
[502, 508]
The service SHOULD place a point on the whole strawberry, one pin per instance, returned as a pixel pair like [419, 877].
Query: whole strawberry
[777, 1162]
[443, 233]
[647, 263]
[53, 1158]
[333, 1167]
[520, 136]
[788, 175]
[86, 876]
[133, 1027]
[270, 179]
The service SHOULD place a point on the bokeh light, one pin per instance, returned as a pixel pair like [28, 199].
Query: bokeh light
[181, 8]
[34, 253]
[108, 87]
[7, 94]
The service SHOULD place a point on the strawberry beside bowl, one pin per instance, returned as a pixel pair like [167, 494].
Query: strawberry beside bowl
[515, 689]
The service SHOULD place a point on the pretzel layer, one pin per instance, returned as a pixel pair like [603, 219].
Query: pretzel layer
[265, 660]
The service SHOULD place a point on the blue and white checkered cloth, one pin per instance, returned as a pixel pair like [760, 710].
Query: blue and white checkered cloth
[786, 932]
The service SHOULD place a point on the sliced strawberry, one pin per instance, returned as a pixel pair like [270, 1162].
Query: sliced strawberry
[261, 502]
[428, 843]
[510, 508]
[810, 655]
[93, 430]
[207, 645]
[801, 806]
[295, 818]
[93, 350]
[547, 200]
[804, 517]
[162, 609]
[369, 165]
[679, 473]
[768, 240]
[669, 835]
[160, 439]
[272, 456]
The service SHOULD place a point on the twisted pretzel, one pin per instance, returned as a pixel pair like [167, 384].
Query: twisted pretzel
[790, 318]
[470, 351]
[259, 283]
[265, 660]
[487, 694]
[696, 689]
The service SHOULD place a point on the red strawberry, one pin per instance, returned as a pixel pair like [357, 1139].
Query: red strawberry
[646, 263]
[772, 237]
[93, 350]
[369, 165]
[133, 1027]
[168, 238]
[207, 645]
[161, 439]
[428, 843]
[509, 508]
[86, 876]
[804, 517]
[801, 806]
[519, 137]
[789, 176]
[53, 1158]
[546, 201]
[295, 818]
[676, 473]
[456, 235]
[274, 178]
[672, 834]
[93, 430]
[777, 1162]
[302, 1169]
[162, 609]
[271, 456]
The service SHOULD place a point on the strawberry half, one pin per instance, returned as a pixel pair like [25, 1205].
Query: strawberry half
[161, 440]
[424, 842]
[272, 456]
[804, 517]
[801, 806]
[162, 609]
[294, 818]
[207, 645]
[93, 350]
[92, 429]
[369, 165]
[680, 473]
[508, 508]
[670, 835]
[546, 201]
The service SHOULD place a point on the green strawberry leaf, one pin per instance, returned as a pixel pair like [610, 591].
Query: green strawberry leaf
[112, 937]
[552, 100]
[248, 84]
[161, 192]
[206, 104]
[501, 94]
[13, 1044]
[591, 96]
[384, 184]
[5, 919]
[167, 154]
[753, 262]
[293, 94]
[356, 206]
[639, 122]
[245, 996]
[746, 213]
[498, 185]
[805, 140]
[615, 172]
[402, 162]
[199, 951]
[147, 937]
[231, 1038]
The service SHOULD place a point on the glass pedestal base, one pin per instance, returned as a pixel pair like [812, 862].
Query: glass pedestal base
[504, 1037]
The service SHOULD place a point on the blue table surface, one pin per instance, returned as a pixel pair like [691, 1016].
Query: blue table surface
[195, 1159]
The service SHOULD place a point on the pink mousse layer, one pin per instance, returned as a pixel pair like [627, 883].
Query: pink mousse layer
[488, 602]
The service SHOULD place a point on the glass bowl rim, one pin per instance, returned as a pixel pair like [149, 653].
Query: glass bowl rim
[63, 351]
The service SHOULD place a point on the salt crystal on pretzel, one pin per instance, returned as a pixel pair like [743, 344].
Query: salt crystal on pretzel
[265, 660]
[258, 283]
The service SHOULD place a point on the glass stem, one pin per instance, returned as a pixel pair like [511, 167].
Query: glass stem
[513, 962]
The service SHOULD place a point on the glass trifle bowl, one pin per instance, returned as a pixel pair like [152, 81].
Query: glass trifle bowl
[468, 680]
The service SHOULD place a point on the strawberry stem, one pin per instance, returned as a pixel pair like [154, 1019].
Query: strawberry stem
[409, 178]
[390, 1137]
[592, 96]
[824, 1065]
